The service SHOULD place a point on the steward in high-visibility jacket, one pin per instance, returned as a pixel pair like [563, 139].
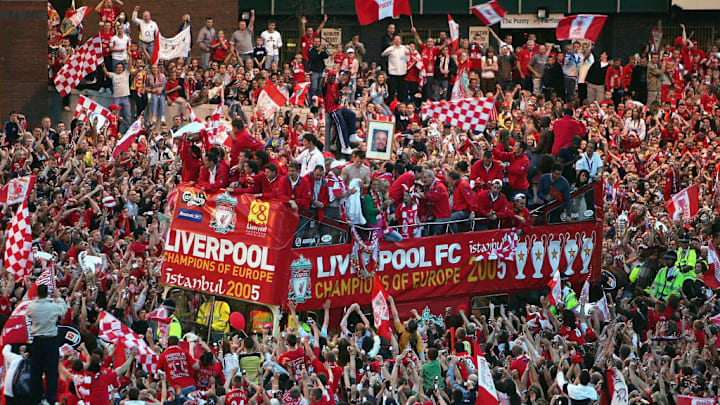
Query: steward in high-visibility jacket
[686, 255]
[664, 284]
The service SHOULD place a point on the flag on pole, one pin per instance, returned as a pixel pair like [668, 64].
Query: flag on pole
[603, 309]
[454, 33]
[489, 13]
[79, 14]
[486, 393]
[84, 61]
[712, 275]
[171, 48]
[581, 26]
[381, 311]
[683, 205]
[585, 292]
[16, 190]
[299, 96]
[555, 285]
[470, 114]
[18, 246]
[270, 100]
[87, 108]
[114, 331]
[124, 143]
[369, 11]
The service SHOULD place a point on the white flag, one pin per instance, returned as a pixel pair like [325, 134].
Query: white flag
[171, 48]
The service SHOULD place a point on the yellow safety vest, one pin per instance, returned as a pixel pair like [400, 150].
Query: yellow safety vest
[174, 330]
[663, 287]
[686, 257]
[635, 272]
[220, 316]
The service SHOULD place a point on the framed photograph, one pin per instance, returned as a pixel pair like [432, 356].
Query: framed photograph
[380, 140]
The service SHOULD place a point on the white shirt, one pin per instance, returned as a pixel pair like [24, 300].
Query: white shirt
[272, 41]
[397, 59]
[592, 164]
[148, 30]
[121, 83]
[11, 363]
[119, 43]
[309, 160]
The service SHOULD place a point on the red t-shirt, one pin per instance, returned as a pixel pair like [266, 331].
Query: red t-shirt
[105, 40]
[338, 58]
[519, 364]
[572, 334]
[295, 361]
[202, 376]
[236, 397]
[109, 14]
[5, 308]
[220, 53]
[139, 248]
[99, 388]
[177, 364]
[306, 44]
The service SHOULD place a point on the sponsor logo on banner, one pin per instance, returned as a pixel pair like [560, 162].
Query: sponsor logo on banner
[194, 198]
[224, 219]
[190, 215]
[300, 289]
[258, 218]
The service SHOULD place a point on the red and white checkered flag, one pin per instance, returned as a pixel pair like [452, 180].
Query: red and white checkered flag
[470, 114]
[86, 108]
[85, 60]
[114, 331]
[18, 244]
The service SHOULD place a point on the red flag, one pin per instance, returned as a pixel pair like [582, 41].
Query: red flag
[454, 33]
[489, 13]
[683, 205]
[114, 331]
[79, 14]
[555, 284]
[300, 92]
[18, 246]
[270, 100]
[129, 137]
[381, 311]
[470, 114]
[712, 275]
[16, 190]
[486, 393]
[86, 108]
[369, 11]
[156, 49]
[581, 26]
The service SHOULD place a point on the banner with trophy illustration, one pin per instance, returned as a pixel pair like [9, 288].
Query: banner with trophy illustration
[231, 245]
[437, 270]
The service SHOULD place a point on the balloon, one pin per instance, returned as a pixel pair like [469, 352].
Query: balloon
[237, 320]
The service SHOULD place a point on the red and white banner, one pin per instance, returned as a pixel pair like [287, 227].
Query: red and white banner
[712, 275]
[470, 114]
[555, 297]
[79, 15]
[114, 331]
[439, 272]
[230, 245]
[486, 394]
[17, 328]
[369, 11]
[299, 96]
[616, 387]
[171, 48]
[690, 400]
[270, 100]
[217, 129]
[683, 205]
[381, 310]
[130, 135]
[489, 13]
[17, 190]
[87, 108]
[454, 33]
[84, 61]
[580, 26]
[18, 244]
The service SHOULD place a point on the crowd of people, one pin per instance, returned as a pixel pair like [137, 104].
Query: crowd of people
[568, 116]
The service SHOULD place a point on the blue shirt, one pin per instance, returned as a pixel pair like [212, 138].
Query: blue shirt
[560, 185]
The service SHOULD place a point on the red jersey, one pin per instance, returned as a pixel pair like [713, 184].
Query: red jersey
[306, 42]
[572, 334]
[298, 72]
[100, 387]
[220, 52]
[294, 361]
[407, 217]
[109, 14]
[177, 364]
[202, 376]
[105, 40]
[236, 397]
[428, 58]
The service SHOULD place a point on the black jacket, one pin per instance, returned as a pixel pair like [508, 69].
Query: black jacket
[596, 74]
[316, 60]
[452, 67]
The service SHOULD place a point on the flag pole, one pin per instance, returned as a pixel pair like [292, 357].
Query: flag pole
[411, 21]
